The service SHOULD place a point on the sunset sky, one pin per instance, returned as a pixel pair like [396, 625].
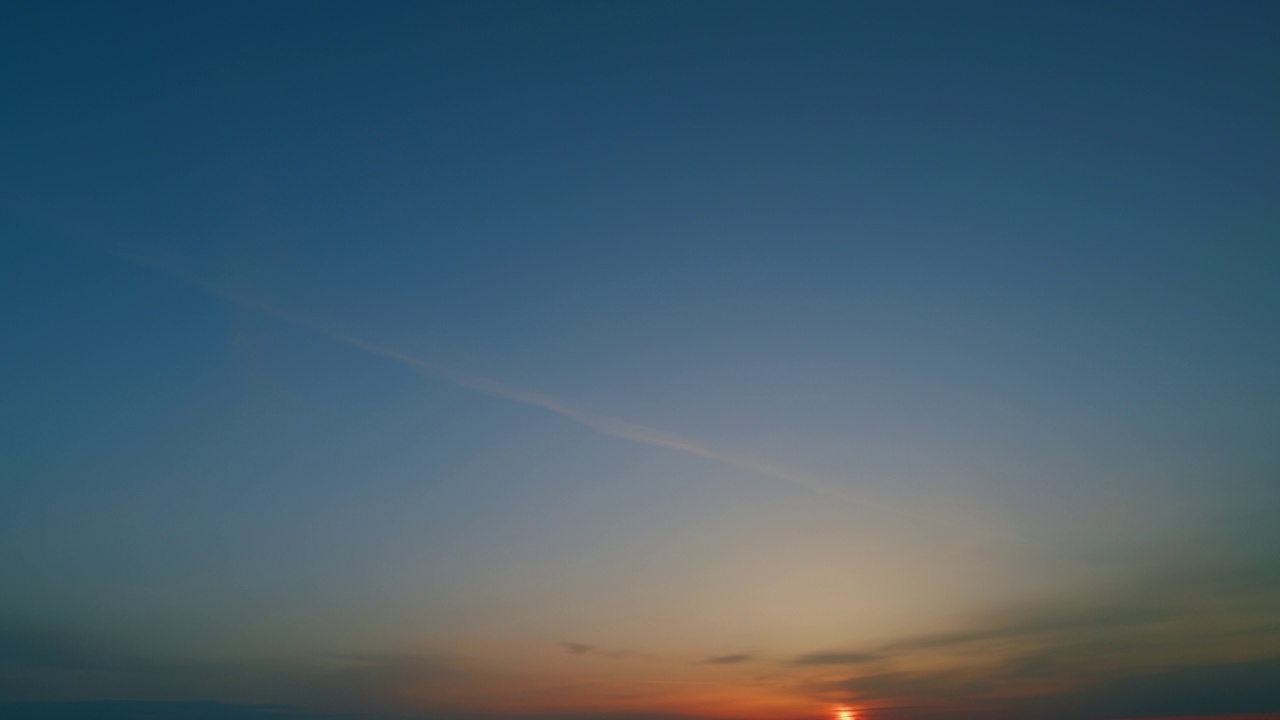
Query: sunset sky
[639, 360]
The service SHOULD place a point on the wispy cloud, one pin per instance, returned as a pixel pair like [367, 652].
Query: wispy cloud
[836, 658]
[604, 424]
[728, 659]
[574, 648]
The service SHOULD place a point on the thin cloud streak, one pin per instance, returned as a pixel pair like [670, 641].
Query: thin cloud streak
[606, 424]
[603, 424]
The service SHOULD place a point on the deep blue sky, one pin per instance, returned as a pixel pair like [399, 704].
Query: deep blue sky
[787, 328]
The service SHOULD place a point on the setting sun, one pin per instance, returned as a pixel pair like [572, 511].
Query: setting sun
[845, 712]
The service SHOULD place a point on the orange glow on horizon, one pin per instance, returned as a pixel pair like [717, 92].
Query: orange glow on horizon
[844, 712]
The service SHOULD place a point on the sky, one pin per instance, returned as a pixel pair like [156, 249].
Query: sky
[639, 360]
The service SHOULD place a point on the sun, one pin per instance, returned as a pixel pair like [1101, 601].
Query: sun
[844, 712]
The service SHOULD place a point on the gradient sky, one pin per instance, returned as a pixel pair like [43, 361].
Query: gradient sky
[639, 360]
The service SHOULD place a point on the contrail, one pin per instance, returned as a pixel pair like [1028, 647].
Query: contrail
[604, 424]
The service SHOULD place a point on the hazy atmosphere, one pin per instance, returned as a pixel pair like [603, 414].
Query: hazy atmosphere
[640, 360]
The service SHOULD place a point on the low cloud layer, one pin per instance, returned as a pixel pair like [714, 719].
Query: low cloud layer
[1191, 638]
[43, 664]
[107, 710]
[1178, 642]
